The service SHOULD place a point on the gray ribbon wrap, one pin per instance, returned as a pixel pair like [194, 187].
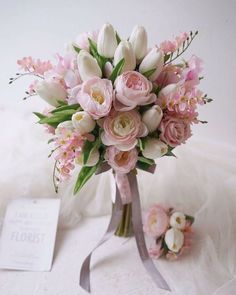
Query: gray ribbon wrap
[138, 234]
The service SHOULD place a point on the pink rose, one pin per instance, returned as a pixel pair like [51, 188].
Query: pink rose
[122, 129]
[156, 221]
[132, 89]
[95, 96]
[174, 130]
[121, 161]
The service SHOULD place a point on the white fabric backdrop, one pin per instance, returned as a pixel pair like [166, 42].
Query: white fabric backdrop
[202, 180]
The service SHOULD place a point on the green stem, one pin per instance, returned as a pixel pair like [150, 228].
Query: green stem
[124, 228]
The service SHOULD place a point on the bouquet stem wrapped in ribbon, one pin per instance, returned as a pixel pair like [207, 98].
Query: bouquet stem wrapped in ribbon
[115, 103]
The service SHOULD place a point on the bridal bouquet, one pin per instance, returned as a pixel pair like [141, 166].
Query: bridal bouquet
[116, 103]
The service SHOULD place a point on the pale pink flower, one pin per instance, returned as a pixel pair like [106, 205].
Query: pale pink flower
[155, 251]
[168, 46]
[82, 39]
[192, 71]
[35, 66]
[95, 96]
[174, 130]
[169, 75]
[181, 38]
[132, 89]
[121, 161]
[122, 129]
[156, 221]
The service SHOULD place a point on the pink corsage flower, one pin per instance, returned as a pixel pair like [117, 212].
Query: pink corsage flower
[132, 89]
[122, 130]
[156, 221]
[121, 161]
[95, 96]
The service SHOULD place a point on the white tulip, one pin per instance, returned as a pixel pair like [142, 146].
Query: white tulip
[108, 69]
[66, 124]
[178, 220]
[107, 43]
[51, 92]
[174, 239]
[168, 89]
[88, 66]
[92, 160]
[138, 40]
[125, 50]
[83, 122]
[152, 118]
[153, 60]
[154, 148]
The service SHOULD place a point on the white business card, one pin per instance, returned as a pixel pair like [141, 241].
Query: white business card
[28, 234]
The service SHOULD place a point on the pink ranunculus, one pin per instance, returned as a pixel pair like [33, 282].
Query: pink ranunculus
[174, 130]
[132, 89]
[121, 161]
[155, 251]
[156, 221]
[122, 129]
[95, 97]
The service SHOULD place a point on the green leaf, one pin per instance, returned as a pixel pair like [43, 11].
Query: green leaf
[156, 90]
[118, 39]
[61, 102]
[170, 153]
[51, 140]
[66, 107]
[143, 166]
[148, 73]
[88, 148]
[190, 218]
[166, 57]
[146, 160]
[117, 70]
[84, 175]
[39, 115]
[76, 48]
[93, 50]
[141, 143]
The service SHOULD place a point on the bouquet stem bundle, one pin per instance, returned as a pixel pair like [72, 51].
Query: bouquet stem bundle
[124, 228]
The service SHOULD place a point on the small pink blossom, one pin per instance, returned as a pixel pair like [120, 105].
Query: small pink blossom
[95, 96]
[169, 75]
[132, 89]
[174, 130]
[155, 251]
[156, 221]
[35, 66]
[168, 46]
[121, 161]
[181, 38]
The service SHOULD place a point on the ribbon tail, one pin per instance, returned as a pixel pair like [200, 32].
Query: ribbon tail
[139, 235]
[113, 224]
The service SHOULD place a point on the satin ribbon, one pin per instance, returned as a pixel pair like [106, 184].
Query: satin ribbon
[138, 234]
